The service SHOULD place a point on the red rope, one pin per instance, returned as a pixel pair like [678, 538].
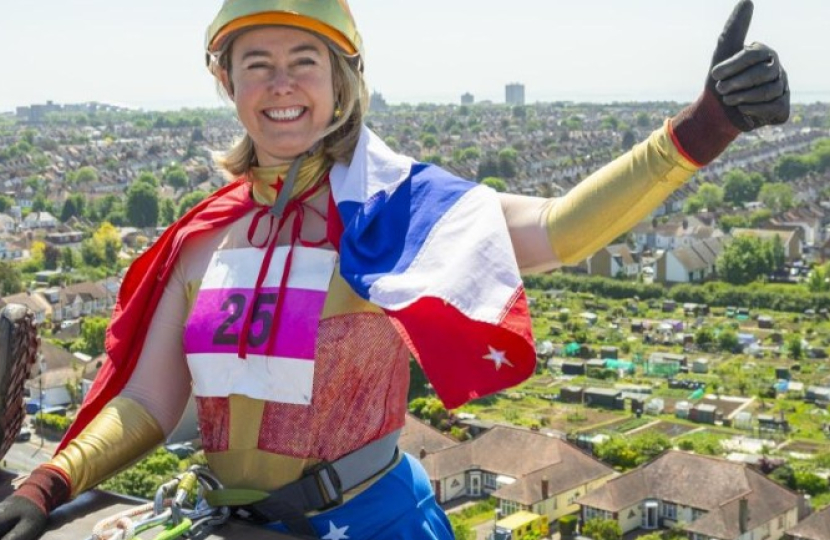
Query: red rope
[296, 209]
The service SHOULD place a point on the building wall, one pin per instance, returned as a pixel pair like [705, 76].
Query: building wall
[675, 272]
[630, 518]
[453, 487]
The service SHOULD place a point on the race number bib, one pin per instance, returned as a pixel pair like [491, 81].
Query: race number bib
[279, 369]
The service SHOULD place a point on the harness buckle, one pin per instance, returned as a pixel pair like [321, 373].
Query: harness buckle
[328, 482]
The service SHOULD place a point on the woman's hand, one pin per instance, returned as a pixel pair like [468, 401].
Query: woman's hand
[746, 88]
[21, 519]
[748, 80]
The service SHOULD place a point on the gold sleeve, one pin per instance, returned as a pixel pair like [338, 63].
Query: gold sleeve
[614, 199]
[121, 434]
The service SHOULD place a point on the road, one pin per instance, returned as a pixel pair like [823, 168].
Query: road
[22, 457]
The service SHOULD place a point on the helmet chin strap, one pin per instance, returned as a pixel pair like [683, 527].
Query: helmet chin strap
[288, 185]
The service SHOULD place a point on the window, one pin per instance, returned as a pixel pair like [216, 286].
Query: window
[696, 513]
[669, 510]
[509, 507]
[490, 481]
[591, 513]
[780, 522]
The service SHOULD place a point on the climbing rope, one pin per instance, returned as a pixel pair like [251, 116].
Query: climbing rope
[169, 509]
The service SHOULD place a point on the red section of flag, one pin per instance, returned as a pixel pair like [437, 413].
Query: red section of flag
[466, 359]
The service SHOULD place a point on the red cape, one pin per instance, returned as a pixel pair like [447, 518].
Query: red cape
[141, 291]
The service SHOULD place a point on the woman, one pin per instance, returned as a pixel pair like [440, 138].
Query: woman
[292, 298]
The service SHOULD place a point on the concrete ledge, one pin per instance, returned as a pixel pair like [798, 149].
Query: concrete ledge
[75, 520]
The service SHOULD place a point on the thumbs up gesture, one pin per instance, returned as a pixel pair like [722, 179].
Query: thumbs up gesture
[748, 79]
[746, 88]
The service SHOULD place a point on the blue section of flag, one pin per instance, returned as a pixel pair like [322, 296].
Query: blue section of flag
[385, 234]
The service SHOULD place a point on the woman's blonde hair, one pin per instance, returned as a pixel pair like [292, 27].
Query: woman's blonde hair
[351, 99]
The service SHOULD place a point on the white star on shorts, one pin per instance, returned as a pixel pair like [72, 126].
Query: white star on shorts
[336, 533]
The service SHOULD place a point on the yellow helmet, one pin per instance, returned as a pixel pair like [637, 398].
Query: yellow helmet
[331, 19]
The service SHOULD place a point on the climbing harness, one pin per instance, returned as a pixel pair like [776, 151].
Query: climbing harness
[170, 510]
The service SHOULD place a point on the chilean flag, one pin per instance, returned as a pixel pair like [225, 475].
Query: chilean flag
[433, 251]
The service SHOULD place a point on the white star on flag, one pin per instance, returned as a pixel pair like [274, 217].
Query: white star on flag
[336, 533]
[497, 357]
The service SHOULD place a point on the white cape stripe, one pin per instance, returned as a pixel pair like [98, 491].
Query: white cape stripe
[374, 167]
[470, 245]
[277, 379]
[311, 268]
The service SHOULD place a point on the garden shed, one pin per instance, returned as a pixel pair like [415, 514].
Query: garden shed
[607, 352]
[573, 368]
[704, 414]
[768, 422]
[571, 394]
[700, 365]
[765, 321]
[817, 393]
[609, 398]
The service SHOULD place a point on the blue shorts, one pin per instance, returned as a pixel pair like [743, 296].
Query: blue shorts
[399, 506]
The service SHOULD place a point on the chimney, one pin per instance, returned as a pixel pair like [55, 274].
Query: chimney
[743, 515]
[544, 489]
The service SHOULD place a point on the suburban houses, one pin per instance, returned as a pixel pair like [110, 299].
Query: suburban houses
[712, 499]
[654, 355]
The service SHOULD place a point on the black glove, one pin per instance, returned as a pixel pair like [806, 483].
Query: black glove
[746, 88]
[21, 519]
[748, 80]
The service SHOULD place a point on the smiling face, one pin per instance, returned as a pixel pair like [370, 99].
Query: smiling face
[281, 83]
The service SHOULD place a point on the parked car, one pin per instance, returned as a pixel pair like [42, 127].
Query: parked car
[24, 435]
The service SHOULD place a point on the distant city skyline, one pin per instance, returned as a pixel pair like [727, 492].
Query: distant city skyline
[149, 54]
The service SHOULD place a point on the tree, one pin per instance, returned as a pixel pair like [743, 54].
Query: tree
[176, 177]
[84, 175]
[731, 221]
[745, 260]
[73, 207]
[794, 347]
[740, 188]
[649, 445]
[11, 281]
[693, 205]
[711, 195]
[508, 158]
[146, 177]
[817, 281]
[460, 529]
[704, 337]
[190, 200]
[496, 183]
[777, 197]
[93, 332]
[51, 257]
[617, 452]
[68, 260]
[728, 341]
[489, 166]
[429, 141]
[167, 212]
[602, 529]
[628, 140]
[791, 168]
[142, 204]
[5, 203]
[41, 204]
[145, 477]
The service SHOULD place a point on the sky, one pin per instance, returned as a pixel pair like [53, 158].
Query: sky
[148, 54]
